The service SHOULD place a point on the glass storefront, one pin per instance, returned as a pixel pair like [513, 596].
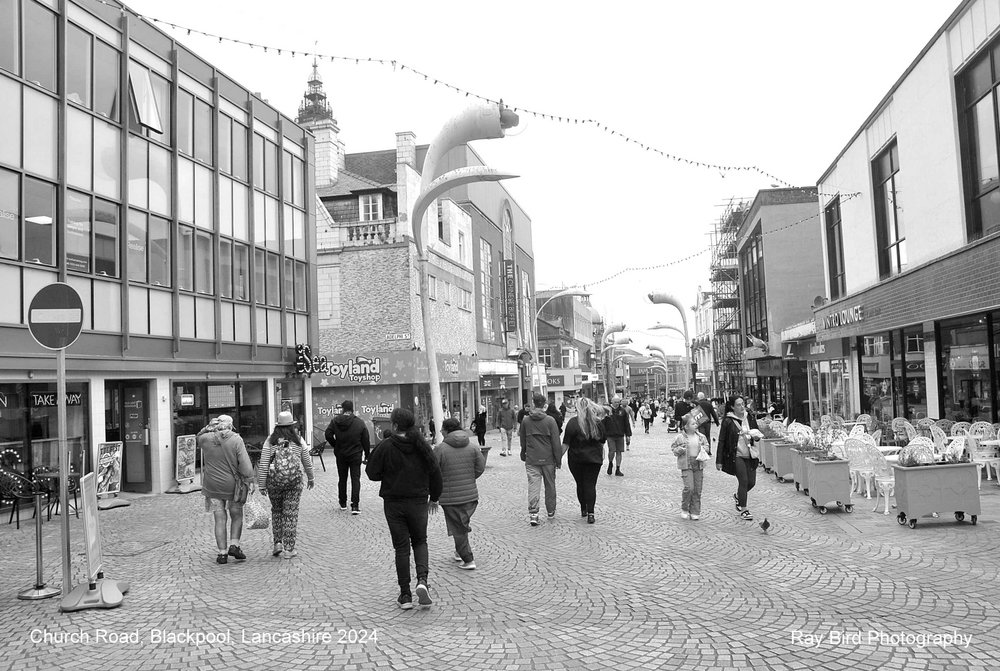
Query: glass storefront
[829, 389]
[29, 426]
[893, 375]
[967, 385]
[195, 403]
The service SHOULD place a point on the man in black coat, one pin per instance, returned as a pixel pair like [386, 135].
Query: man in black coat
[706, 426]
[348, 436]
[683, 407]
[552, 411]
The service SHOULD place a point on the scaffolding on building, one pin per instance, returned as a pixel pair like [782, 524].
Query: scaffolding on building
[727, 341]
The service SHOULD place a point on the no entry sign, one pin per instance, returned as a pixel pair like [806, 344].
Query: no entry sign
[55, 316]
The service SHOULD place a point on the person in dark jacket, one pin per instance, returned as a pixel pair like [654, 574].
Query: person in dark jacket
[618, 431]
[541, 453]
[706, 427]
[552, 411]
[681, 408]
[479, 426]
[348, 436]
[736, 453]
[460, 464]
[584, 443]
[409, 473]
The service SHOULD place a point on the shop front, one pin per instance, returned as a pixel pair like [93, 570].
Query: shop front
[564, 385]
[818, 379]
[498, 381]
[379, 382]
[763, 381]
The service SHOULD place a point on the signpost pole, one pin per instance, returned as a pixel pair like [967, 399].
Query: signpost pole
[67, 585]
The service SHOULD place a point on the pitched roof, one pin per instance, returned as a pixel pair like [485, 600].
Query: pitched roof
[347, 183]
[379, 166]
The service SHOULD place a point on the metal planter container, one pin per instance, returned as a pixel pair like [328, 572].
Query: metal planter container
[800, 474]
[782, 466]
[829, 482]
[921, 490]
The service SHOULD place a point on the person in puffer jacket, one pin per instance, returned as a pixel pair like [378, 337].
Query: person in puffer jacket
[461, 464]
[541, 453]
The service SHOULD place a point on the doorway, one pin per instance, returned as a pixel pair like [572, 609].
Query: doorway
[126, 412]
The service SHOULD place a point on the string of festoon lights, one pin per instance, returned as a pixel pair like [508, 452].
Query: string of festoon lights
[635, 269]
[399, 66]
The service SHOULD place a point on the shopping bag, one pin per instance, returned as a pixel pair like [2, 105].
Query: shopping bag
[256, 515]
[699, 415]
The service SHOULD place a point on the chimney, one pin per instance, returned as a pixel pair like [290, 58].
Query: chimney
[406, 148]
[329, 152]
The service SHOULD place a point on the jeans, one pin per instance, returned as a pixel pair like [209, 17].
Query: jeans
[646, 423]
[691, 496]
[586, 484]
[746, 475]
[536, 474]
[510, 437]
[407, 519]
[350, 465]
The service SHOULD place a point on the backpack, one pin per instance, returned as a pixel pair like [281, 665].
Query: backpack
[285, 469]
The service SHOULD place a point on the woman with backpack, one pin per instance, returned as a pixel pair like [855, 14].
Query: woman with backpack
[284, 458]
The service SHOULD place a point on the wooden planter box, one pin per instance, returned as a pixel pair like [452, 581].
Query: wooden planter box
[766, 446]
[782, 466]
[799, 474]
[829, 482]
[922, 490]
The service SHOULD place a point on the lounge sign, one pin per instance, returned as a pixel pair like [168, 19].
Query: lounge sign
[510, 295]
[356, 369]
[844, 317]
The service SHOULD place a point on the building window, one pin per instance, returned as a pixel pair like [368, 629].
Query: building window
[204, 274]
[447, 293]
[964, 366]
[570, 357]
[978, 87]
[432, 287]
[370, 207]
[752, 278]
[486, 288]
[461, 248]
[39, 235]
[145, 108]
[889, 231]
[444, 230]
[835, 250]
[40, 45]
[545, 356]
[465, 300]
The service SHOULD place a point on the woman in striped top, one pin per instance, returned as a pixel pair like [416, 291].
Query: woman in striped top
[284, 486]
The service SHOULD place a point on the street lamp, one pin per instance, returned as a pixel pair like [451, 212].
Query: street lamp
[480, 122]
[538, 315]
[663, 298]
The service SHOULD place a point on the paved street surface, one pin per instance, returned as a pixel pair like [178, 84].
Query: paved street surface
[640, 589]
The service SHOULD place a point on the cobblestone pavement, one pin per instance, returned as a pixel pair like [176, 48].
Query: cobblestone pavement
[640, 589]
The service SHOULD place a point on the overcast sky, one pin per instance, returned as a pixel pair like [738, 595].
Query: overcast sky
[782, 85]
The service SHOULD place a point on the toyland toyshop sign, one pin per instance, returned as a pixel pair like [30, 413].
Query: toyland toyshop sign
[355, 369]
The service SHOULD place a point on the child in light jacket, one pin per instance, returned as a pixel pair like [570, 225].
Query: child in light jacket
[686, 447]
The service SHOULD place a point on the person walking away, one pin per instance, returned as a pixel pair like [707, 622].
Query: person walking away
[460, 465]
[553, 412]
[284, 459]
[506, 421]
[683, 407]
[348, 435]
[711, 417]
[479, 426]
[647, 416]
[411, 487]
[584, 443]
[688, 447]
[227, 476]
[618, 431]
[541, 453]
[736, 453]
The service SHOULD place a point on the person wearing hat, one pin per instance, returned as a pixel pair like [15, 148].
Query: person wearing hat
[288, 454]
[226, 478]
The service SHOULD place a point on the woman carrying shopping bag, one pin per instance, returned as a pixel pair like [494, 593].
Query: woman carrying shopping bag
[284, 459]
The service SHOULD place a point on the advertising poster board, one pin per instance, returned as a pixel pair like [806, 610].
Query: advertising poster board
[186, 446]
[109, 467]
[91, 524]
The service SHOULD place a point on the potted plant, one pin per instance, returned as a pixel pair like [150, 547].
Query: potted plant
[809, 447]
[773, 433]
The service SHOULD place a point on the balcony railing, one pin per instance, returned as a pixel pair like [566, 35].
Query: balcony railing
[366, 233]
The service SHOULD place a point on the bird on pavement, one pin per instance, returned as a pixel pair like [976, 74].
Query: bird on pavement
[765, 525]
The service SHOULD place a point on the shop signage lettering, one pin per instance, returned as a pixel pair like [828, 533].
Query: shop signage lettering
[451, 367]
[844, 317]
[380, 409]
[486, 383]
[557, 380]
[510, 295]
[817, 348]
[3, 400]
[397, 336]
[359, 369]
[49, 400]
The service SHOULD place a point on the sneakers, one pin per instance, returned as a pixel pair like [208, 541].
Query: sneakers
[533, 520]
[343, 506]
[405, 600]
[221, 558]
[355, 509]
[685, 515]
[423, 596]
[458, 557]
[745, 514]
[619, 473]
[736, 499]
[695, 517]
[236, 553]
[278, 549]
[467, 565]
[288, 554]
[590, 518]
[552, 514]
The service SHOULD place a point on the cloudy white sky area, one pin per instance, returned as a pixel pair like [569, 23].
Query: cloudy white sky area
[782, 85]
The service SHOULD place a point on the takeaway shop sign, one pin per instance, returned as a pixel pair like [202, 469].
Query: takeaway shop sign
[844, 317]
[356, 369]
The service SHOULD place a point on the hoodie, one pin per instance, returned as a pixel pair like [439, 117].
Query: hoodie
[460, 464]
[539, 435]
[348, 436]
[406, 467]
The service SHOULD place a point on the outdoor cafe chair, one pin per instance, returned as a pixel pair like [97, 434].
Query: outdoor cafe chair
[877, 436]
[923, 427]
[945, 424]
[859, 466]
[858, 430]
[16, 488]
[939, 437]
[883, 476]
[960, 428]
[866, 421]
[902, 431]
[982, 431]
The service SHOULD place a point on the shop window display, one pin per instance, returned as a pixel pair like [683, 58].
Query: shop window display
[966, 390]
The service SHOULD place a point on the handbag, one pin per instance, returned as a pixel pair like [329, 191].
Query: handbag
[255, 514]
[241, 492]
